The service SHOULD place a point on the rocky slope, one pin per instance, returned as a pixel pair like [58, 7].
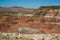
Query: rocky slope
[18, 36]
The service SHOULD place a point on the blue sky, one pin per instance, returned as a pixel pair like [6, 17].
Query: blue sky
[29, 3]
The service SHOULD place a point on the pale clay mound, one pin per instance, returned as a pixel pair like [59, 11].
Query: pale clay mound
[28, 30]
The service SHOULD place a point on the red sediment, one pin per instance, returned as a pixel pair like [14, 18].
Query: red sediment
[37, 23]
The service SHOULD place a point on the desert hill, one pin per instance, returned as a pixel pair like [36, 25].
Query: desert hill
[47, 21]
